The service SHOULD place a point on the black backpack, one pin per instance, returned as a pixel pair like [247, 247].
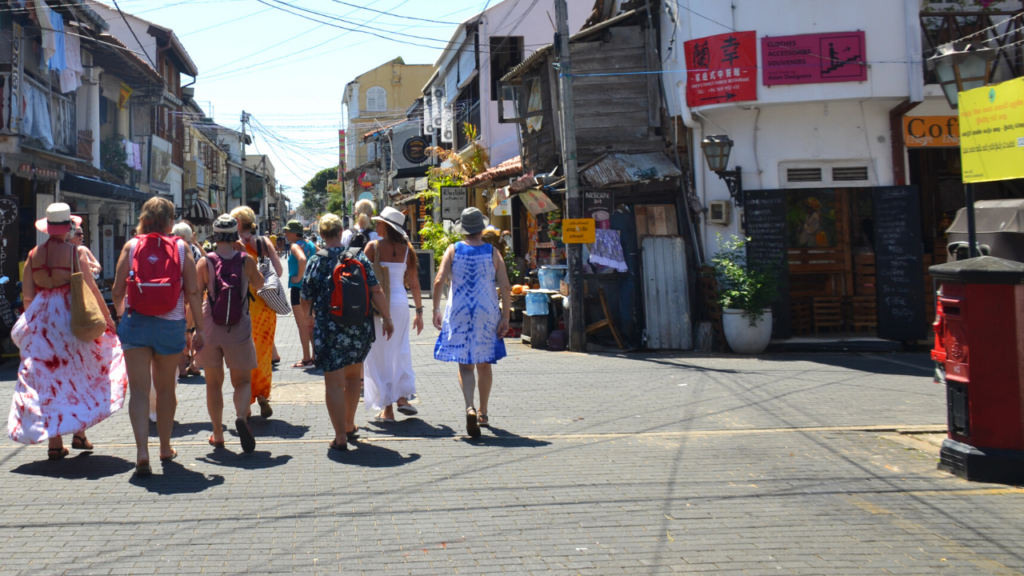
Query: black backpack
[350, 294]
[360, 238]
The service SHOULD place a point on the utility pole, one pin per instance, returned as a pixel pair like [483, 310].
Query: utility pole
[245, 118]
[574, 202]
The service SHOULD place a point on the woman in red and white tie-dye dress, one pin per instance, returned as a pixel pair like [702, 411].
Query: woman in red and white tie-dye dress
[64, 384]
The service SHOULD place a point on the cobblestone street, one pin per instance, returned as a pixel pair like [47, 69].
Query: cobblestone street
[594, 464]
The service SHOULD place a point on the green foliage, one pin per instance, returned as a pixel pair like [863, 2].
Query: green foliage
[433, 235]
[113, 157]
[314, 192]
[740, 286]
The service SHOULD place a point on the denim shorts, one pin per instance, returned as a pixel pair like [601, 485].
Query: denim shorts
[165, 337]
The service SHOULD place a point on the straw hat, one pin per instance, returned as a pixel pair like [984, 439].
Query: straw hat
[58, 220]
[392, 218]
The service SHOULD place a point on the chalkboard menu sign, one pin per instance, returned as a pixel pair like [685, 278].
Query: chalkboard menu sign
[899, 263]
[765, 215]
[426, 270]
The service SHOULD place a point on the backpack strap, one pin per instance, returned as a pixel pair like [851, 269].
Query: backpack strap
[211, 257]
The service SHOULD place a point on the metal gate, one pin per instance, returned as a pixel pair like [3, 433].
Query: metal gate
[666, 294]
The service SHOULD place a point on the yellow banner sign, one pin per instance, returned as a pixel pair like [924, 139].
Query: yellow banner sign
[931, 131]
[578, 231]
[992, 132]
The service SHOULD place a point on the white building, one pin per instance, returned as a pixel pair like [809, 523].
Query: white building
[482, 50]
[819, 113]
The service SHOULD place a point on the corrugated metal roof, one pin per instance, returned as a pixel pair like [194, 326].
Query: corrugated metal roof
[625, 169]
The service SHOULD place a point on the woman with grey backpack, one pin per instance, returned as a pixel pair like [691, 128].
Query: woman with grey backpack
[226, 274]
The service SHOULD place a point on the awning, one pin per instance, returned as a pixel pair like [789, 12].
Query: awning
[200, 213]
[100, 189]
[627, 169]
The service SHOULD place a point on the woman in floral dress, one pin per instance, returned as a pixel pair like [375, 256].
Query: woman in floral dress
[339, 351]
[64, 385]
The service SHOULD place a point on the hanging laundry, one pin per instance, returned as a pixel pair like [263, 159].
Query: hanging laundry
[36, 115]
[129, 152]
[25, 108]
[137, 152]
[43, 13]
[71, 76]
[59, 59]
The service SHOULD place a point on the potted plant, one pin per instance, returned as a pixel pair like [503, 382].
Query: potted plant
[746, 294]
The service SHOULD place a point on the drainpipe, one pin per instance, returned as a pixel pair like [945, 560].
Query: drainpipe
[899, 165]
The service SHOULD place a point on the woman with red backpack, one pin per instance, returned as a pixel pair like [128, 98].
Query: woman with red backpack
[156, 274]
[337, 290]
[264, 319]
[226, 274]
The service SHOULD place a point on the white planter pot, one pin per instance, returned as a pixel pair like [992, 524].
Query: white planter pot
[741, 336]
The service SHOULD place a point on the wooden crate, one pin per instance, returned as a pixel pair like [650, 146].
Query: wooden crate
[828, 314]
[863, 313]
[801, 316]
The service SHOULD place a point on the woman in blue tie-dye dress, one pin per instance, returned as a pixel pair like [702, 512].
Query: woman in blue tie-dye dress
[472, 325]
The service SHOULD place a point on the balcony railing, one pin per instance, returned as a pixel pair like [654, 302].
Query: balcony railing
[1001, 30]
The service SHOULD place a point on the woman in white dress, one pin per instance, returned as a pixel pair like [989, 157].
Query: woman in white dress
[388, 375]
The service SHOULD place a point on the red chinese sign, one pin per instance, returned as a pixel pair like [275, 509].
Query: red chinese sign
[814, 58]
[721, 69]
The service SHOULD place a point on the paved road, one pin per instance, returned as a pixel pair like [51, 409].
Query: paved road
[638, 464]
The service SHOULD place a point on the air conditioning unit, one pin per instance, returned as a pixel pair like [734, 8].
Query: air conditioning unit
[720, 212]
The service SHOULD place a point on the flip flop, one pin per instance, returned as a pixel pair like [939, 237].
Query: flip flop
[245, 435]
[482, 420]
[57, 453]
[408, 409]
[339, 447]
[143, 469]
[353, 434]
[174, 454]
[215, 444]
[303, 364]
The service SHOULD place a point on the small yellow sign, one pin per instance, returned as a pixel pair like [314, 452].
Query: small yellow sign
[992, 132]
[578, 231]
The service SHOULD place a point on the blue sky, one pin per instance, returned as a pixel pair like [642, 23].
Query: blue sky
[288, 71]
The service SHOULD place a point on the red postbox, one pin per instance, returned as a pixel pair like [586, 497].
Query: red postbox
[983, 338]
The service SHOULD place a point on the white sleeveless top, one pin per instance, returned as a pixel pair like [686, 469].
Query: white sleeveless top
[178, 313]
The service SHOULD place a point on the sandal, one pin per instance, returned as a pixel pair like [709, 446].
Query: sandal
[143, 469]
[245, 435]
[472, 426]
[174, 454]
[81, 443]
[265, 410]
[303, 364]
[57, 453]
[482, 420]
[190, 372]
[214, 443]
[339, 447]
[353, 434]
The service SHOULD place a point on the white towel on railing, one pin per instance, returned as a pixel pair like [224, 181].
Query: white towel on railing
[71, 77]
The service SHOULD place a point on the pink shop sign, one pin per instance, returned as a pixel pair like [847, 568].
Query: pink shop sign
[814, 58]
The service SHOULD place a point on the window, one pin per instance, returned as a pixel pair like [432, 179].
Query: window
[376, 99]
[506, 54]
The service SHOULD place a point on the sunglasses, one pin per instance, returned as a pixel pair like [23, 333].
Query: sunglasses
[77, 234]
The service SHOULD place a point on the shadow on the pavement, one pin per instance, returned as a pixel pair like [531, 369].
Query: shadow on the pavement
[505, 439]
[262, 427]
[84, 466]
[193, 380]
[673, 361]
[371, 455]
[176, 479]
[413, 428]
[919, 365]
[181, 430]
[259, 460]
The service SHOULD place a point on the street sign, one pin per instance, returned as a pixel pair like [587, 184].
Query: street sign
[578, 231]
[453, 201]
[992, 132]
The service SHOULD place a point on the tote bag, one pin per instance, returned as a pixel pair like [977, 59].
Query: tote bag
[273, 292]
[87, 322]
